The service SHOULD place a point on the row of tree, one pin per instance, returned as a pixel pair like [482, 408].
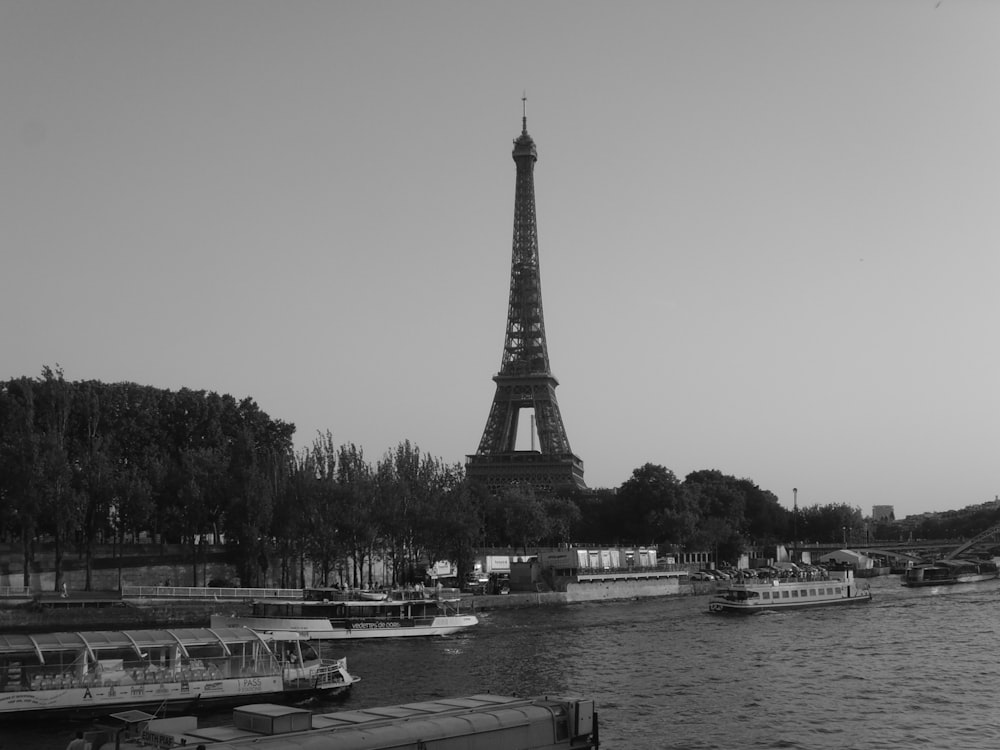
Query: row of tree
[89, 462]
[716, 512]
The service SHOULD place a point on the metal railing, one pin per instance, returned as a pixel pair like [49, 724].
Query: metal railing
[207, 592]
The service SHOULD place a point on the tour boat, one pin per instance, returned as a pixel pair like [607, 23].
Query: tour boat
[748, 595]
[484, 721]
[951, 572]
[326, 614]
[97, 673]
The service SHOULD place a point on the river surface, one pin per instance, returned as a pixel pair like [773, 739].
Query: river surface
[916, 668]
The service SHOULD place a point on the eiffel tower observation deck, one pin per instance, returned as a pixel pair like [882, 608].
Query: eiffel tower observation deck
[525, 380]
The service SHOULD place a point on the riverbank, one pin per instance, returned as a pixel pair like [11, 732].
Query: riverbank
[18, 616]
[162, 614]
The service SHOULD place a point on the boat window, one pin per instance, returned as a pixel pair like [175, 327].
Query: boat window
[812, 592]
[206, 650]
[20, 659]
[795, 593]
[276, 609]
[836, 590]
[767, 594]
[308, 652]
[17, 670]
[784, 594]
[160, 655]
[114, 663]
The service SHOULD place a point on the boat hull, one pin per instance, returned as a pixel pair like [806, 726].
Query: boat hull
[321, 628]
[162, 698]
[950, 573]
[951, 581]
[779, 595]
[731, 608]
[96, 673]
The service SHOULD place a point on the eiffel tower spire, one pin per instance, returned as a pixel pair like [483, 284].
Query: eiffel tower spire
[525, 380]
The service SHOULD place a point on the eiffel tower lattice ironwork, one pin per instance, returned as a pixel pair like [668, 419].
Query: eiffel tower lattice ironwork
[525, 380]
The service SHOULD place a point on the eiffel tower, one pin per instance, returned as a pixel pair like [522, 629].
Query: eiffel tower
[525, 380]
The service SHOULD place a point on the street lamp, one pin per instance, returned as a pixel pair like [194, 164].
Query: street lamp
[795, 517]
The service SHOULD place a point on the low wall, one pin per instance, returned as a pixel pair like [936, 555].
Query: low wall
[474, 603]
[108, 579]
[622, 589]
[590, 592]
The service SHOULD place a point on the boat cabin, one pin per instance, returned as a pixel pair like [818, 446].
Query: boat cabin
[48, 661]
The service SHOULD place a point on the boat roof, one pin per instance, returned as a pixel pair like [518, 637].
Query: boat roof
[954, 563]
[133, 639]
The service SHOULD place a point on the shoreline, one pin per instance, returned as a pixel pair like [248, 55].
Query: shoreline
[27, 617]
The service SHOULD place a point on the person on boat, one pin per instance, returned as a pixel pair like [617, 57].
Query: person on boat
[78, 743]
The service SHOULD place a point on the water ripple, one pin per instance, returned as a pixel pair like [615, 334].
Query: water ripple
[915, 669]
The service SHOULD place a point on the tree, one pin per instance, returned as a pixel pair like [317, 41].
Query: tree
[258, 464]
[20, 482]
[563, 516]
[525, 520]
[834, 522]
[61, 504]
[455, 527]
[323, 502]
[357, 490]
[654, 507]
[96, 464]
[766, 521]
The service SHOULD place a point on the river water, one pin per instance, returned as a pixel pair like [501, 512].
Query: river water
[916, 668]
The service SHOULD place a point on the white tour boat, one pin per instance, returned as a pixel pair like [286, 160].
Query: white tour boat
[324, 614]
[748, 595]
[100, 672]
[951, 572]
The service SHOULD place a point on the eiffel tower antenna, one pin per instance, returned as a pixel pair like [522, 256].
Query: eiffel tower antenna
[525, 380]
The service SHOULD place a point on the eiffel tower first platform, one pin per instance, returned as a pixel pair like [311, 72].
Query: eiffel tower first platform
[525, 380]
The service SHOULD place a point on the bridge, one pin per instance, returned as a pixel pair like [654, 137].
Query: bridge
[989, 535]
[919, 550]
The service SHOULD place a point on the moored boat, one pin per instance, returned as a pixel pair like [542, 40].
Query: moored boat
[88, 674]
[749, 595]
[950, 573]
[487, 722]
[328, 614]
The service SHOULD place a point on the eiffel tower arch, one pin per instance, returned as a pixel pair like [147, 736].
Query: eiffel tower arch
[525, 380]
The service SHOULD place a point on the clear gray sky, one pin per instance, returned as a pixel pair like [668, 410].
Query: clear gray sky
[769, 230]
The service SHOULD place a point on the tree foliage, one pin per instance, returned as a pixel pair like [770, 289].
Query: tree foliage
[88, 462]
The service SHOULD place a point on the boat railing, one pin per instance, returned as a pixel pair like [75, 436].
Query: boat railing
[28, 677]
[259, 594]
[777, 580]
[392, 595]
[207, 592]
[328, 673]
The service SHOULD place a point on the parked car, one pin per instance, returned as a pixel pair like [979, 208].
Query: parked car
[499, 583]
[701, 575]
[475, 584]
